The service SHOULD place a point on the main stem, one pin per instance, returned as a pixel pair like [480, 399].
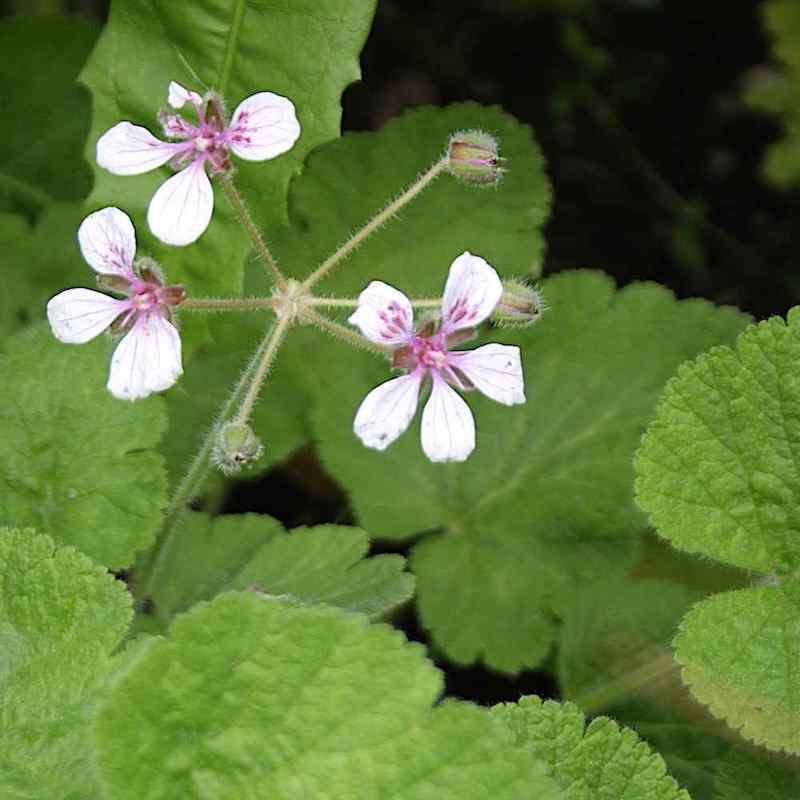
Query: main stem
[274, 341]
[379, 219]
[235, 199]
[192, 481]
[228, 304]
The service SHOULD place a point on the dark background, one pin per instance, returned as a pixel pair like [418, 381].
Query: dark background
[654, 159]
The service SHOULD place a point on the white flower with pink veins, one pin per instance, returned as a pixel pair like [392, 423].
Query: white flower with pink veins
[263, 126]
[148, 359]
[384, 315]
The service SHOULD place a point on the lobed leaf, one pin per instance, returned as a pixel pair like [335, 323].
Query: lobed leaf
[253, 698]
[548, 488]
[601, 762]
[60, 616]
[739, 652]
[324, 564]
[306, 50]
[719, 468]
[77, 464]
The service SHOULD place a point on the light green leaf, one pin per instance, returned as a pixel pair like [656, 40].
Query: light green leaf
[325, 564]
[548, 487]
[719, 468]
[740, 652]
[600, 763]
[306, 50]
[775, 91]
[254, 698]
[42, 261]
[47, 113]
[60, 616]
[349, 181]
[77, 464]
[742, 776]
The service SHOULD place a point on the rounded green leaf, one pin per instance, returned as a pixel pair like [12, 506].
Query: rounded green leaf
[740, 652]
[77, 463]
[252, 698]
[719, 468]
[60, 616]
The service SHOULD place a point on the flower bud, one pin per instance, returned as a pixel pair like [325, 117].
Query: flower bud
[472, 157]
[520, 305]
[236, 447]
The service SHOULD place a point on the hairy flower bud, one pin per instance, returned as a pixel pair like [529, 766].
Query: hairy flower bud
[236, 447]
[472, 156]
[520, 305]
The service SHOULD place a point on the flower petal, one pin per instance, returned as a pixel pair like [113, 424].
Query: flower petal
[181, 209]
[387, 411]
[495, 370]
[108, 242]
[128, 149]
[472, 291]
[147, 360]
[78, 315]
[448, 429]
[177, 96]
[263, 126]
[384, 315]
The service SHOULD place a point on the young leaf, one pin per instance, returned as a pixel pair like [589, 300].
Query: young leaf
[325, 564]
[347, 182]
[719, 468]
[60, 616]
[42, 140]
[306, 50]
[253, 698]
[77, 463]
[548, 480]
[601, 762]
[740, 652]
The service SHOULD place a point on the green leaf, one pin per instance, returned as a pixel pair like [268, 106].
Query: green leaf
[325, 564]
[253, 698]
[60, 616]
[347, 182]
[719, 468]
[740, 652]
[43, 260]
[775, 91]
[601, 762]
[742, 776]
[548, 487]
[306, 50]
[77, 464]
[42, 139]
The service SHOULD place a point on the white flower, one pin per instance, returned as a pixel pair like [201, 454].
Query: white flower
[148, 359]
[263, 126]
[384, 315]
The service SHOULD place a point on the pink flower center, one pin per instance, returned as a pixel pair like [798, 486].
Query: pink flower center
[430, 352]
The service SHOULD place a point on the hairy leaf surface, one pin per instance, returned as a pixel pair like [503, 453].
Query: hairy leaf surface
[602, 762]
[77, 463]
[254, 698]
[60, 616]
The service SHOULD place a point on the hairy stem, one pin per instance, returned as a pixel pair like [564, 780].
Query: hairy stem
[192, 481]
[344, 333]
[272, 341]
[352, 302]
[376, 222]
[236, 201]
[228, 304]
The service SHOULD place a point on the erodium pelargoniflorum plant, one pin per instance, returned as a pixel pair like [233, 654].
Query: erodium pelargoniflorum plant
[223, 284]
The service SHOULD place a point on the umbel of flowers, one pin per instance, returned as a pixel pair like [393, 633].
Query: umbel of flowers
[147, 358]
